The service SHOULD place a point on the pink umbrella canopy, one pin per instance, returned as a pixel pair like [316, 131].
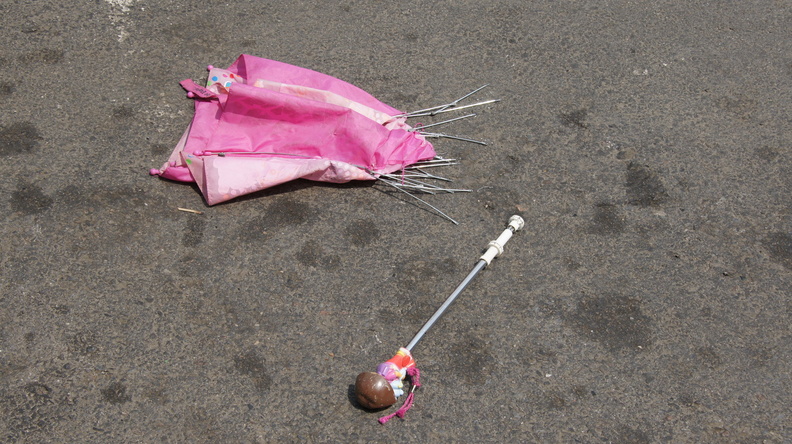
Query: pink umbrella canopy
[261, 123]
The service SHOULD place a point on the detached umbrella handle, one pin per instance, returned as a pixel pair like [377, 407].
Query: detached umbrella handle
[380, 389]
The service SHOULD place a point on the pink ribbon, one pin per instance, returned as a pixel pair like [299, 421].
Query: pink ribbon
[415, 381]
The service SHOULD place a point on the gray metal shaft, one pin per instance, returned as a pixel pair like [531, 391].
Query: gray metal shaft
[479, 265]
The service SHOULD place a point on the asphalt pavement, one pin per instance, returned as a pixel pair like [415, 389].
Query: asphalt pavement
[648, 145]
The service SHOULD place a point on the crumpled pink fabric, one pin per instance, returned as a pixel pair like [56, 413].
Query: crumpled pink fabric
[261, 123]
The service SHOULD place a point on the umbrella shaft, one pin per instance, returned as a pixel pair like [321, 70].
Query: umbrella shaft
[479, 265]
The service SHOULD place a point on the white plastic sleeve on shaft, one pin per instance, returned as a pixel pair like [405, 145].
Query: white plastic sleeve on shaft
[495, 248]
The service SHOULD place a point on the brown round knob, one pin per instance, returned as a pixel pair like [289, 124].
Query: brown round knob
[373, 391]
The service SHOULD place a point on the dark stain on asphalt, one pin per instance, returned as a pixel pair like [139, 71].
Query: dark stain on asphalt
[281, 213]
[252, 366]
[116, 393]
[607, 220]
[628, 435]
[313, 255]
[644, 187]
[616, 322]
[473, 359]
[30, 199]
[18, 138]
[46, 56]
[709, 357]
[767, 153]
[6, 89]
[574, 119]
[194, 231]
[571, 264]
[123, 112]
[582, 392]
[779, 245]
[421, 275]
[362, 232]
[554, 401]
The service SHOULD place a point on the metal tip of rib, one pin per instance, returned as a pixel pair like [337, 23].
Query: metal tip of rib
[451, 106]
[420, 128]
[451, 136]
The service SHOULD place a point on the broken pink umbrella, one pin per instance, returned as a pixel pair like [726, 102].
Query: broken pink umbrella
[261, 123]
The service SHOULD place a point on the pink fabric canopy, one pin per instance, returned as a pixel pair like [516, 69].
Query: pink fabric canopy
[261, 123]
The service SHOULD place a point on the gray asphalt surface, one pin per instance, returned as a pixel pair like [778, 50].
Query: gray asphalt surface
[647, 144]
